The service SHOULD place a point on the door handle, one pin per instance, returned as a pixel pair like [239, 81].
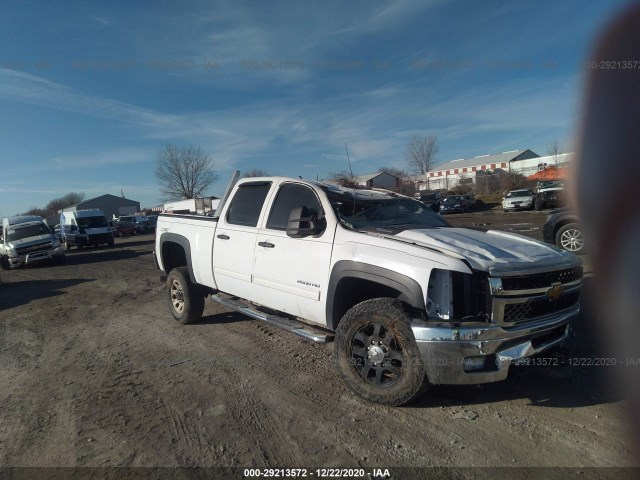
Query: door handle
[222, 236]
[266, 244]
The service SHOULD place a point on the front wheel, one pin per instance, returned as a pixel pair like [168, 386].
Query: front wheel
[570, 238]
[538, 204]
[377, 354]
[4, 263]
[186, 300]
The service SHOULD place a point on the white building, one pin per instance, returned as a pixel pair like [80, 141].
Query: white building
[463, 171]
[530, 166]
[199, 206]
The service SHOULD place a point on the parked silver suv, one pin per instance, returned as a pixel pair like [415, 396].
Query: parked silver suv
[26, 240]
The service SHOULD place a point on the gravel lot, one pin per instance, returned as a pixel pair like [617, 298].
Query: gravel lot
[94, 372]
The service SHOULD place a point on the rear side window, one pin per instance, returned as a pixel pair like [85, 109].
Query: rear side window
[247, 203]
[290, 196]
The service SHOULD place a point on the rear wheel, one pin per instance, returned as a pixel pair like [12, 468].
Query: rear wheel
[186, 300]
[377, 355]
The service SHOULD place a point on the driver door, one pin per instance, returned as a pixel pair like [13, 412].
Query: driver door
[291, 274]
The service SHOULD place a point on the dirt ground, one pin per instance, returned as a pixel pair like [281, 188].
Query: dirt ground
[95, 372]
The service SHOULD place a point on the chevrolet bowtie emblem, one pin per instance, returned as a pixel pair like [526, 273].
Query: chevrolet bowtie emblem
[555, 292]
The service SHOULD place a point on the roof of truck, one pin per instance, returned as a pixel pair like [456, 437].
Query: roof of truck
[87, 212]
[330, 187]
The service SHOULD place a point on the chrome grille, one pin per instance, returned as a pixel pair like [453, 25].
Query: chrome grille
[522, 312]
[527, 298]
[38, 247]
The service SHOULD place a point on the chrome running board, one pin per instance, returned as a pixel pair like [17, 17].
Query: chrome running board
[303, 330]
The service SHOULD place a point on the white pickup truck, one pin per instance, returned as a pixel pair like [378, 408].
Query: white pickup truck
[410, 300]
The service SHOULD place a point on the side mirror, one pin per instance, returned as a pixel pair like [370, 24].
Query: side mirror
[303, 222]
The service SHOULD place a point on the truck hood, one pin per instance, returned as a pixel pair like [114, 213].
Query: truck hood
[28, 241]
[497, 252]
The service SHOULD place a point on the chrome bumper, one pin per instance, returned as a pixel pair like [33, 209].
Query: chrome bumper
[30, 258]
[483, 352]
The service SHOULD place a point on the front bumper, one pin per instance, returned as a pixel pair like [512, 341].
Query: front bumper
[483, 352]
[95, 239]
[451, 210]
[519, 206]
[35, 257]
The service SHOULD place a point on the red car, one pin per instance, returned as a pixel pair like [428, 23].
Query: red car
[123, 229]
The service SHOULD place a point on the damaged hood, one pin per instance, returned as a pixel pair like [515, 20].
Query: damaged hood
[497, 252]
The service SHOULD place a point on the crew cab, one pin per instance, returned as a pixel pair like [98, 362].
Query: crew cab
[409, 300]
[25, 240]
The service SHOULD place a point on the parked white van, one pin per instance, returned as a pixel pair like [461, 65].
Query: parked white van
[85, 227]
[25, 240]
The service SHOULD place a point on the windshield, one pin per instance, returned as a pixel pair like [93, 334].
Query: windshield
[519, 193]
[394, 212]
[428, 197]
[453, 199]
[91, 222]
[18, 233]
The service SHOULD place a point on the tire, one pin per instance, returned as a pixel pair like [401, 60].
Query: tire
[61, 259]
[185, 299]
[392, 374]
[112, 243]
[538, 204]
[570, 238]
[4, 263]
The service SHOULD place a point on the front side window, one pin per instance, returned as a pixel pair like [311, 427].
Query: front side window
[246, 204]
[290, 196]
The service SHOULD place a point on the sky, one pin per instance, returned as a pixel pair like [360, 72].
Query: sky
[91, 92]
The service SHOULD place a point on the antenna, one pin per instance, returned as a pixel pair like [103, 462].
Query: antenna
[348, 160]
[352, 180]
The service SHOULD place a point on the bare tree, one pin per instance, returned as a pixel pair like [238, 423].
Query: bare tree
[57, 204]
[183, 172]
[36, 211]
[343, 178]
[255, 172]
[555, 151]
[421, 152]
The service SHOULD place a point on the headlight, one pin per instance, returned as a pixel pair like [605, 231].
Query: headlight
[11, 251]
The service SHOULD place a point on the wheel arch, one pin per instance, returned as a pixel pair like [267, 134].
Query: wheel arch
[175, 251]
[561, 223]
[353, 282]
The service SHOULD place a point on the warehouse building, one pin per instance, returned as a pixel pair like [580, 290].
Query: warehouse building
[378, 180]
[464, 171]
[111, 205]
